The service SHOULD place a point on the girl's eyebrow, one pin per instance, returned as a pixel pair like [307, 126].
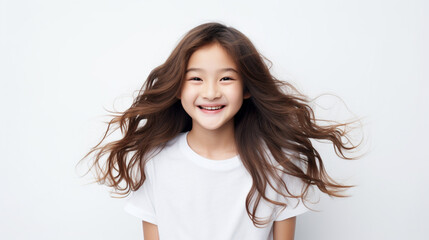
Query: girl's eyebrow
[220, 70]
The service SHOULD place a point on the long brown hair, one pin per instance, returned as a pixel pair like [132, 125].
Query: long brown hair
[280, 118]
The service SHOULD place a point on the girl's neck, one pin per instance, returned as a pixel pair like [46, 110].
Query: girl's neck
[216, 144]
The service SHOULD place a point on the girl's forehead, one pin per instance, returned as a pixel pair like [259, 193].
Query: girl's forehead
[211, 56]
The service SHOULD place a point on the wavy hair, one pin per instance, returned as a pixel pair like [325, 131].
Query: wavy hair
[280, 117]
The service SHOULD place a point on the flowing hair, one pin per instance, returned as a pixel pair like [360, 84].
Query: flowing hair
[274, 121]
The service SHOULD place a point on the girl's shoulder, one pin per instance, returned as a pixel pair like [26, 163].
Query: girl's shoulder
[175, 140]
[292, 156]
[169, 148]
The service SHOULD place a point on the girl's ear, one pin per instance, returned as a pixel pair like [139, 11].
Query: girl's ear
[246, 95]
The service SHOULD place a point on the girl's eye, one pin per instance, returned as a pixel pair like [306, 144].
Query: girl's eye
[199, 79]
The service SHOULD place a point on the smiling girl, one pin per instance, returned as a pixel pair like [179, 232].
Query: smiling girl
[214, 144]
[212, 94]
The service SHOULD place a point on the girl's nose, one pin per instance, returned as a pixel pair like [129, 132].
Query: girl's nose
[210, 91]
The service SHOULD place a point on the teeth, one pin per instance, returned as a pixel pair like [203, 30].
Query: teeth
[211, 108]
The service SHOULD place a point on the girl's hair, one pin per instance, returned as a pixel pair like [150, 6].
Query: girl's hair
[275, 122]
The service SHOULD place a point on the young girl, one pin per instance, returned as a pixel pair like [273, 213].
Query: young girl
[215, 147]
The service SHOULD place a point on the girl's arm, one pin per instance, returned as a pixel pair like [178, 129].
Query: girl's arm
[285, 229]
[150, 231]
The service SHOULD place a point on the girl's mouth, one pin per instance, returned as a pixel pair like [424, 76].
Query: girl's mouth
[211, 109]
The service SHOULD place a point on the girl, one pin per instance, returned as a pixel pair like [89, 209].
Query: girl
[213, 144]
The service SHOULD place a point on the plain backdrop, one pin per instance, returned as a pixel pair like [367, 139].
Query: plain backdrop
[64, 63]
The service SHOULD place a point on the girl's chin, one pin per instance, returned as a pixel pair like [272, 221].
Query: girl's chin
[207, 125]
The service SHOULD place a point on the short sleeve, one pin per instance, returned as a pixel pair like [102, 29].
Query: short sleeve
[295, 206]
[140, 203]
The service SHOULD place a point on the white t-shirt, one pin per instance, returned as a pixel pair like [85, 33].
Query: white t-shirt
[190, 197]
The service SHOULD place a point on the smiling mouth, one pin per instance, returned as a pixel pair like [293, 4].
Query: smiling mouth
[212, 108]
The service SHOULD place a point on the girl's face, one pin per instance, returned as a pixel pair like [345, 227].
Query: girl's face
[212, 91]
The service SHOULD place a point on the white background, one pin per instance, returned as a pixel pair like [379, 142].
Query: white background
[62, 63]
